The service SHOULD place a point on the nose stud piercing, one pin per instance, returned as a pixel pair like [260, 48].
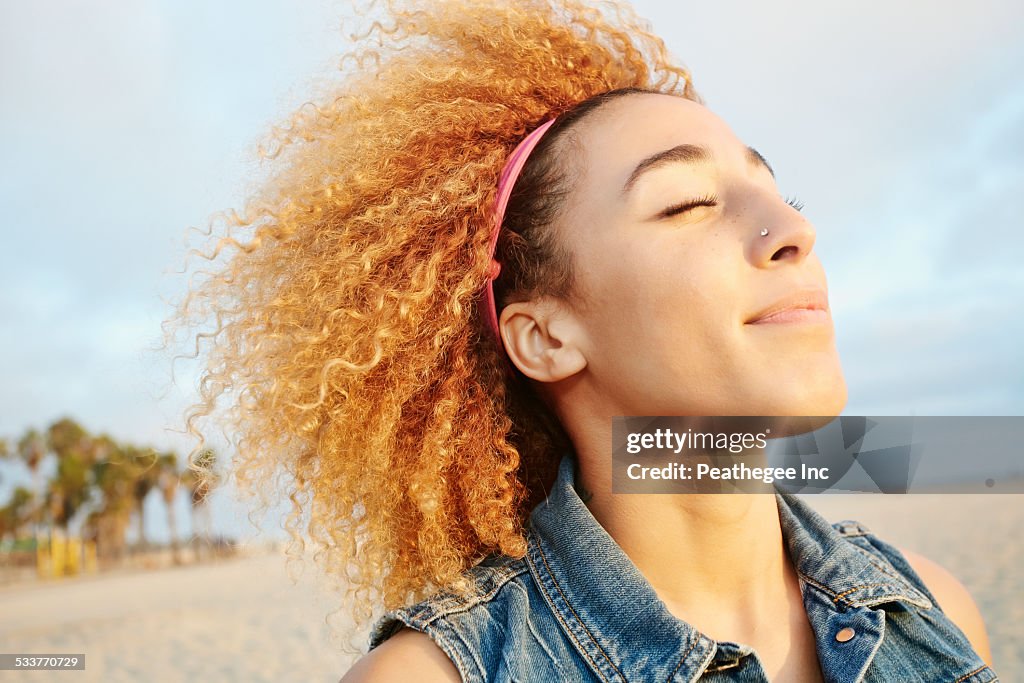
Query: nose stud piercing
[764, 232]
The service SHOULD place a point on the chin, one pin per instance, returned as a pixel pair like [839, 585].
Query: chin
[818, 395]
[812, 403]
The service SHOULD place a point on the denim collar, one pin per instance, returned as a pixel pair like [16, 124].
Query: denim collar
[616, 620]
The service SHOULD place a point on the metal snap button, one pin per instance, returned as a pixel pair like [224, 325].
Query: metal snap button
[845, 634]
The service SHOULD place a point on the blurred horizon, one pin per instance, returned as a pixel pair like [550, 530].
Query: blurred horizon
[900, 126]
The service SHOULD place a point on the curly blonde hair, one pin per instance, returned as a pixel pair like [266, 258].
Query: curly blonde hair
[344, 304]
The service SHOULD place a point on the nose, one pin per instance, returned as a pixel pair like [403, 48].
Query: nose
[790, 236]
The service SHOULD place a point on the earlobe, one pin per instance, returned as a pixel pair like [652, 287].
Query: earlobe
[541, 341]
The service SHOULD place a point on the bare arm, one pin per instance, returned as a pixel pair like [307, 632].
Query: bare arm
[395, 660]
[955, 601]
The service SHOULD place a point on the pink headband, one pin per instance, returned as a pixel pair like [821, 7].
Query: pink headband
[508, 177]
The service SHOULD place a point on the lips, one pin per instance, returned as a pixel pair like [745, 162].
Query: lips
[804, 305]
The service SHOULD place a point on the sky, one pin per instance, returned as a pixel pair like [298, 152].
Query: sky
[899, 125]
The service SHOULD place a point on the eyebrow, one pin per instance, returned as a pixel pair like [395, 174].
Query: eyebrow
[687, 154]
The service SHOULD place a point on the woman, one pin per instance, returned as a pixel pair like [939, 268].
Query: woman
[446, 415]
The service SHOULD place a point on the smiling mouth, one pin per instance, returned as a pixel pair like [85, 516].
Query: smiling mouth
[803, 306]
[794, 315]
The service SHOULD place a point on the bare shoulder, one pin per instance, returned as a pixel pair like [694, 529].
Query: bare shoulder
[406, 651]
[955, 600]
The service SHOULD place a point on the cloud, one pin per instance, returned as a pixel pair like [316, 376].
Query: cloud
[898, 124]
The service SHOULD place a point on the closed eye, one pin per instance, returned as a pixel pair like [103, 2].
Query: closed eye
[712, 200]
[707, 200]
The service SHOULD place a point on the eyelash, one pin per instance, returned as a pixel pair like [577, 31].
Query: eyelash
[712, 200]
[706, 200]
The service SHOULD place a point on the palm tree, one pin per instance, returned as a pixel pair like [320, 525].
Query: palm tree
[7, 513]
[145, 471]
[168, 483]
[16, 514]
[71, 486]
[113, 475]
[32, 449]
[200, 478]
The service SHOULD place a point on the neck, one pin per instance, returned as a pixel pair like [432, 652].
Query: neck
[717, 561]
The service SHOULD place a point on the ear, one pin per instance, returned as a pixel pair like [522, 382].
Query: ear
[543, 339]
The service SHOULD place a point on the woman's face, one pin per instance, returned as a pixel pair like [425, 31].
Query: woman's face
[676, 316]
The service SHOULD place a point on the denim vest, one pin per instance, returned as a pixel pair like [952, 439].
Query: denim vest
[575, 608]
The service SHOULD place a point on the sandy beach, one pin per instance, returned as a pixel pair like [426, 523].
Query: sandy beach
[244, 620]
[239, 619]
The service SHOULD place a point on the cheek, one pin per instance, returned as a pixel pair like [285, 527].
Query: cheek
[665, 298]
